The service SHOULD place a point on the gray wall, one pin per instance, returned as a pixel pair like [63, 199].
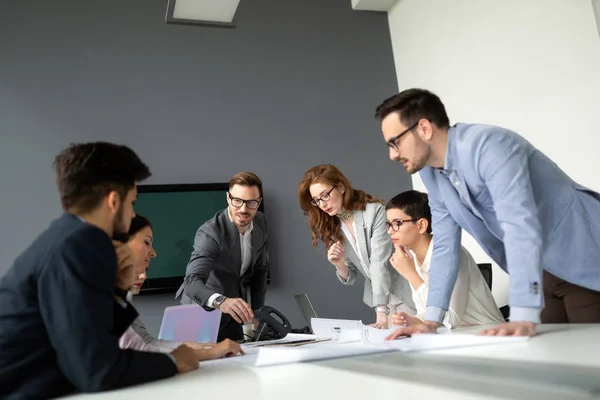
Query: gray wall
[293, 86]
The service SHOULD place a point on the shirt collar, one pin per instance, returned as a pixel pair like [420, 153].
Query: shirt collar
[247, 230]
[427, 261]
[449, 161]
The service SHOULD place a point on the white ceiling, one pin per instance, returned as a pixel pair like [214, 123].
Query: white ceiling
[224, 10]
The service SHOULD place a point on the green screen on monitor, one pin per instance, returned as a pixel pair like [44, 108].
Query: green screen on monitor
[176, 212]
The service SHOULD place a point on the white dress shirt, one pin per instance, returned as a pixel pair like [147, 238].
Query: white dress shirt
[471, 303]
[246, 249]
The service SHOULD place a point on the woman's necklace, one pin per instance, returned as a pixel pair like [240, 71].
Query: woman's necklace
[345, 215]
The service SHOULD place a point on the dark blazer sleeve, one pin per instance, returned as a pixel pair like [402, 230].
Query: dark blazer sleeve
[202, 262]
[258, 283]
[76, 296]
[124, 315]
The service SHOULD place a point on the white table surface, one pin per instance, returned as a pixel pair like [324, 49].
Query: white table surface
[562, 362]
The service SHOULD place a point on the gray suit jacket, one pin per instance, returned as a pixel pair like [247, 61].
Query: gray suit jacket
[376, 248]
[215, 263]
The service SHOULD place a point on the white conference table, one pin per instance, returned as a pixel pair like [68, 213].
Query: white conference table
[561, 362]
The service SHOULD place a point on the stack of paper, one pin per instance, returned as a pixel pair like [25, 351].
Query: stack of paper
[422, 342]
[351, 338]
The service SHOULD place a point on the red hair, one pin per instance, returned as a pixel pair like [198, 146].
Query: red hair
[323, 226]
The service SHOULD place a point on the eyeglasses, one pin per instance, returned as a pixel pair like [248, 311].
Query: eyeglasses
[326, 196]
[392, 143]
[237, 202]
[397, 223]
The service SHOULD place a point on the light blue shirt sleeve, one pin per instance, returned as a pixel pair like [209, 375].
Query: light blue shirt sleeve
[503, 165]
[444, 260]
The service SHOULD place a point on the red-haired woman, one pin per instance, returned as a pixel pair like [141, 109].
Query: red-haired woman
[351, 225]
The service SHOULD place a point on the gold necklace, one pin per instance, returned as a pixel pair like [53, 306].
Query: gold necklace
[345, 215]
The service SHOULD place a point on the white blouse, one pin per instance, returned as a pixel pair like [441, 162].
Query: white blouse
[471, 303]
[354, 243]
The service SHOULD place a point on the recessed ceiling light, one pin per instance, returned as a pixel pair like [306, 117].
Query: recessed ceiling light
[202, 12]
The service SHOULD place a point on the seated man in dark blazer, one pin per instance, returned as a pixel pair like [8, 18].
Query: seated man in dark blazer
[229, 257]
[64, 301]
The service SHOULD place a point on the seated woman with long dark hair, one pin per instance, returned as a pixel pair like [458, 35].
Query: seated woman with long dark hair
[137, 336]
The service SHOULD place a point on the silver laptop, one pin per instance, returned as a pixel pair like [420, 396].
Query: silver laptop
[306, 307]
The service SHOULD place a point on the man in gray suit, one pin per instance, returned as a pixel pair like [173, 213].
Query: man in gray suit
[230, 257]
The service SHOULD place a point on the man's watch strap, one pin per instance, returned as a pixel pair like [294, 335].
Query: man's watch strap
[218, 301]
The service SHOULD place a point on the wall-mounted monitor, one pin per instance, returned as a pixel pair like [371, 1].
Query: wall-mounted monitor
[176, 212]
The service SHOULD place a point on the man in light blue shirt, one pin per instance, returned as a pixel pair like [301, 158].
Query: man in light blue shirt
[533, 220]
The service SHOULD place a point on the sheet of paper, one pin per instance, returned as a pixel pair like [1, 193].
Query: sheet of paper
[319, 351]
[427, 342]
[290, 337]
[364, 334]
[333, 328]
[374, 335]
[353, 339]
[268, 356]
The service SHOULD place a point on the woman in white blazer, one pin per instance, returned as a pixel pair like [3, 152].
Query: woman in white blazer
[351, 225]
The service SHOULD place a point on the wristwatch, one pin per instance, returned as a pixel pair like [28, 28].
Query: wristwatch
[218, 301]
[383, 309]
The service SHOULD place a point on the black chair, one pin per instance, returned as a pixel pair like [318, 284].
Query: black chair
[486, 271]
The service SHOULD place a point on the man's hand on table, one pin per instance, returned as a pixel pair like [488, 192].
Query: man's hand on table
[514, 328]
[425, 327]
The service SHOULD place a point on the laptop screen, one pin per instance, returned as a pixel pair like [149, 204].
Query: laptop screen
[190, 323]
[305, 307]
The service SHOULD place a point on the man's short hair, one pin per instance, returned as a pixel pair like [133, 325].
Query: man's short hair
[246, 179]
[413, 105]
[87, 172]
[413, 203]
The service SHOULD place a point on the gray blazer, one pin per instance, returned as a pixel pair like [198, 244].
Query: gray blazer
[215, 263]
[376, 248]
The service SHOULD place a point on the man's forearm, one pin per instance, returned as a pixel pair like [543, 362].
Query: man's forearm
[197, 290]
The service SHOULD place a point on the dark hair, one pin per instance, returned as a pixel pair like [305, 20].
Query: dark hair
[246, 179]
[323, 226]
[138, 223]
[415, 204]
[87, 172]
[412, 105]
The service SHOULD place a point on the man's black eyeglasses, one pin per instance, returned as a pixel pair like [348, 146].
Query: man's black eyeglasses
[392, 143]
[237, 202]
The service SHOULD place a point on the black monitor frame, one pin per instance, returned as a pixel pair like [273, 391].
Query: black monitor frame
[171, 284]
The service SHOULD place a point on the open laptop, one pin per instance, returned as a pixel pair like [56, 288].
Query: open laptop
[190, 323]
[306, 307]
